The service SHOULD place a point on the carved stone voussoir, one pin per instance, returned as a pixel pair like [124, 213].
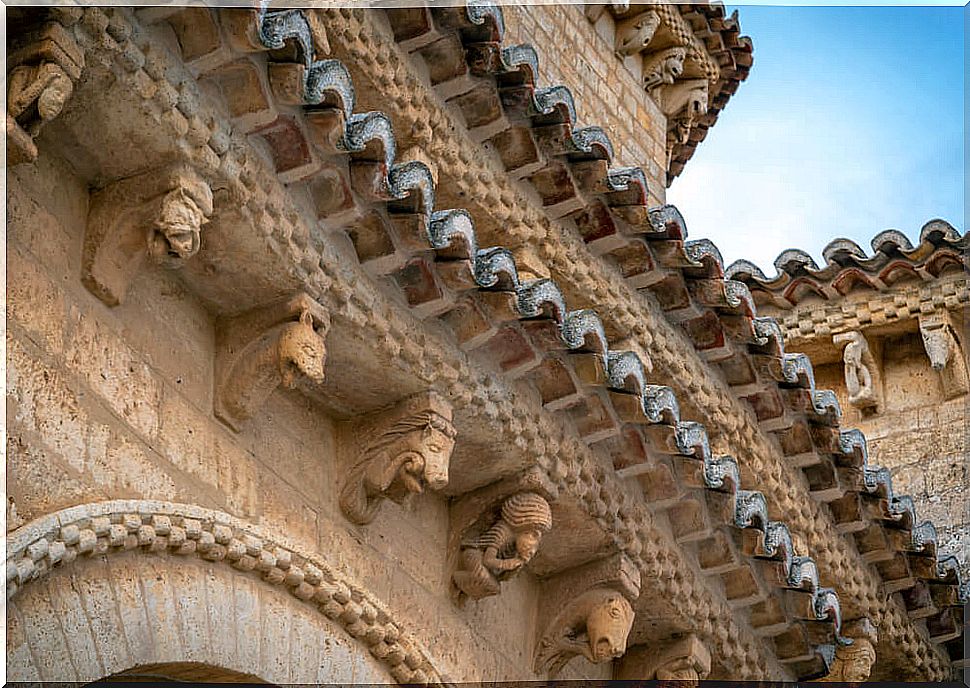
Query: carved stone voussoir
[504, 548]
[410, 449]
[158, 214]
[592, 614]
[281, 343]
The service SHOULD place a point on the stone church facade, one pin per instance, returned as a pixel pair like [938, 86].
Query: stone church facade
[358, 346]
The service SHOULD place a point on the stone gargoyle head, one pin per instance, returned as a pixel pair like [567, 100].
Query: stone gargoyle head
[409, 454]
[595, 625]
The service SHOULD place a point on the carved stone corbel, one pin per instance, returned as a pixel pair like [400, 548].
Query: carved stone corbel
[410, 449]
[663, 68]
[42, 67]
[683, 102]
[592, 614]
[634, 34]
[853, 662]
[501, 545]
[861, 372]
[684, 659]
[945, 352]
[157, 215]
[281, 343]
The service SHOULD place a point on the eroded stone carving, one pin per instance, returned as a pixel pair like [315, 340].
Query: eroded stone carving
[854, 662]
[944, 351]
[158, 214]
[663, 67]
[595, 625]
[411, 450]
[40, 80]
[860, 368]
[685, 660]
[683, 103]
[504, 548]
[278, 344]
[634, 34]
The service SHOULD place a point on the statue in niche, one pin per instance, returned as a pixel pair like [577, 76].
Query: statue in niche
[501, 551]
[858, 369]
[634, 34]
[595, 625]
[663, 68]
[412, 452]
[853, 663]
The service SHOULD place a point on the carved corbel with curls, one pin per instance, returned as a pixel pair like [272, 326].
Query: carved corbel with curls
[409, 449]
[943, 348]
[157, 215]
[591, 610]
[861, 371]
[281, 343]
[684, 660]
[495, 532]
[853, 662]
[634, 34]
[43, 66]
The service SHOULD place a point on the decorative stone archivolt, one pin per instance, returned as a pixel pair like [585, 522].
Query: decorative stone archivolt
[593, 614]
[411, 450]
[158, 214]
[506, 546]
[944, 351]
[853, 662]
[42, 67]
[861, 373]
[281, 343]
[148, 527]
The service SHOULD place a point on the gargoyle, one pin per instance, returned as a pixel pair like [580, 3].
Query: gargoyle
[504, 548]
[595, 625]
[411, 452]
[277, 344]
[158, 214]
[634, 34]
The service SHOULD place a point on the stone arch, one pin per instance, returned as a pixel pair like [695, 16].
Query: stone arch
[100, 590]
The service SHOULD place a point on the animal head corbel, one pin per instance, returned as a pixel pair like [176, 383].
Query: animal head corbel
[635, 33]
[410, 451]
[281, 343]
[158, 214]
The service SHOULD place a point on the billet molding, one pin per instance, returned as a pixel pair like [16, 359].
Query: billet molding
[410, 450]
[278, 344]
[157, 215]
[148, 527]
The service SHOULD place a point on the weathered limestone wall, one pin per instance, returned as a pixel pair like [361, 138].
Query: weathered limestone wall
[572, 52]
[107, 403]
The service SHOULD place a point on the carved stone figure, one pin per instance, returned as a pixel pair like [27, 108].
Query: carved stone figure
[663, 67]
[634, 34]
[686, 660]
[683, 103]
[411, 452]
[158, 214]
[502, 550]
[277, 344]
[944, 351]
[853, 663]
[859, 367]
[595, 625]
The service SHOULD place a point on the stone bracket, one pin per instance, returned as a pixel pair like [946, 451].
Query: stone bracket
[157, 214]
[586, 611]
[408, 448]
[679, 658]
[281, 343]
[943, 348]
[863, 380]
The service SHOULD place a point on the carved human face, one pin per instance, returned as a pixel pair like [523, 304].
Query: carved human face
[608, 626]
[302, 354]
[177, 234]
[527, 543]
[680, 669]
[672, 68]
[857, 662]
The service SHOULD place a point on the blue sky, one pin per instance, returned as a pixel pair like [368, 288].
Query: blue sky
[851, 122]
